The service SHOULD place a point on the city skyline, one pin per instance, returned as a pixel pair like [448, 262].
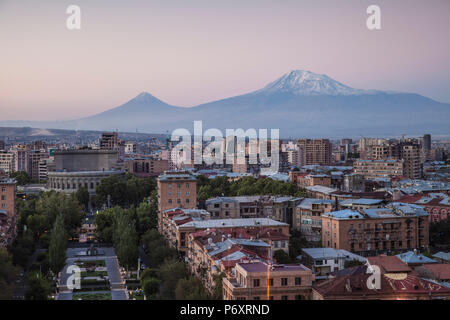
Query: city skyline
[165, 49]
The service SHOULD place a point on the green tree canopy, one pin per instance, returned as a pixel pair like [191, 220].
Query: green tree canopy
[190, 289]
[58, 246]
[38, 287]
[8, 273]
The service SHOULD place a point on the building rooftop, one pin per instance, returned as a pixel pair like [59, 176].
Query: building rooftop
[263, 267]
[330, 253]
[442, 255]
[344, 214]
[413, 257]
[234, 223]
[321, 189]
[389, 264]
[308, 202]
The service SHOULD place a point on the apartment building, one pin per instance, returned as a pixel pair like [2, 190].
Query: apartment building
[308, 217]
[315, 151]
[324, 261]
[280, 208]
[8, 214]
[436, 204]
[392, 287]
[214, 252]
[398, 226]
[263, 281]
[7, 161]
[146, 167]
[413, 166]
[176, 225]
[313, 180]
[35, 158]
[372, 169]
[177, 189]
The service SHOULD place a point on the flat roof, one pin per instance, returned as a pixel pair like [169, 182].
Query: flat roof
[230, 223]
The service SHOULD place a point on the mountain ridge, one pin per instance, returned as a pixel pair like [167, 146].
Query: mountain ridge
[300, 103]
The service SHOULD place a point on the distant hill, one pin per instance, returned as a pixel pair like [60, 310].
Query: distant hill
[300, 103]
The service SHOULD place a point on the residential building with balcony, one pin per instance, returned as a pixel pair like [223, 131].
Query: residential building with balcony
[263, 281]
[396, 227]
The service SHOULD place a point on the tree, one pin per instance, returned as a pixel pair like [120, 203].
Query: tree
[58, 246]
[104, 226]
[170, 273]
[190, 289]
[440, 234]
[147, 216]
[82, 195]
[7, 275]
[218, 281]
[38, 287]
[150, 286]
[21, 177]
[22, 248]
[125, 239]
[281, 257]
[114, 187]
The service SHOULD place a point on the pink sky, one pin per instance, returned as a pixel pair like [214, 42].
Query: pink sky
[192, 52]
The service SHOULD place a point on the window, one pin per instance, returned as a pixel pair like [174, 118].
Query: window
[3, 197]
[178, 200]
[187, 185]
[170, 200]
[284, 297]
[3, 205]
[271, 282]
[298, 281]
[256, 298]
[255, 283]
[3, 189]
[187, 200]
[284, 281]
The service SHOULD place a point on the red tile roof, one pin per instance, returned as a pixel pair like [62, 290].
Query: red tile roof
[389, 264]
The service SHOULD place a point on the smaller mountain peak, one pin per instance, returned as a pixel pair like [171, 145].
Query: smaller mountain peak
[145, 97]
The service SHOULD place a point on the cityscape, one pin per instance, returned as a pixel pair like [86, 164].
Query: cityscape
[296, 187]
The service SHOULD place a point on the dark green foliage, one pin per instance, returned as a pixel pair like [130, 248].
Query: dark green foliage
[282, 257]
[38, 287]
[220, 186]
[58, 246]
[190, 289]
[440, 235]
[8, 274]
[21, 177]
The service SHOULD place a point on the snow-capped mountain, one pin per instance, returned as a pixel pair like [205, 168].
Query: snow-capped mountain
[300, 104]
[301, 82]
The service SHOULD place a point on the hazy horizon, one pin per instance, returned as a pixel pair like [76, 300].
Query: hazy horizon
[191, 53]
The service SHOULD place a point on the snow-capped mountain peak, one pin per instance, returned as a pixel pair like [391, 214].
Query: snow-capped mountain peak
[302, 82]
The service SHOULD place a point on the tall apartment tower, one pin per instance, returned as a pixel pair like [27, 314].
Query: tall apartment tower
[177, 189]
[109, 141]
[426, 146]
[315, 151]
[411, 155]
